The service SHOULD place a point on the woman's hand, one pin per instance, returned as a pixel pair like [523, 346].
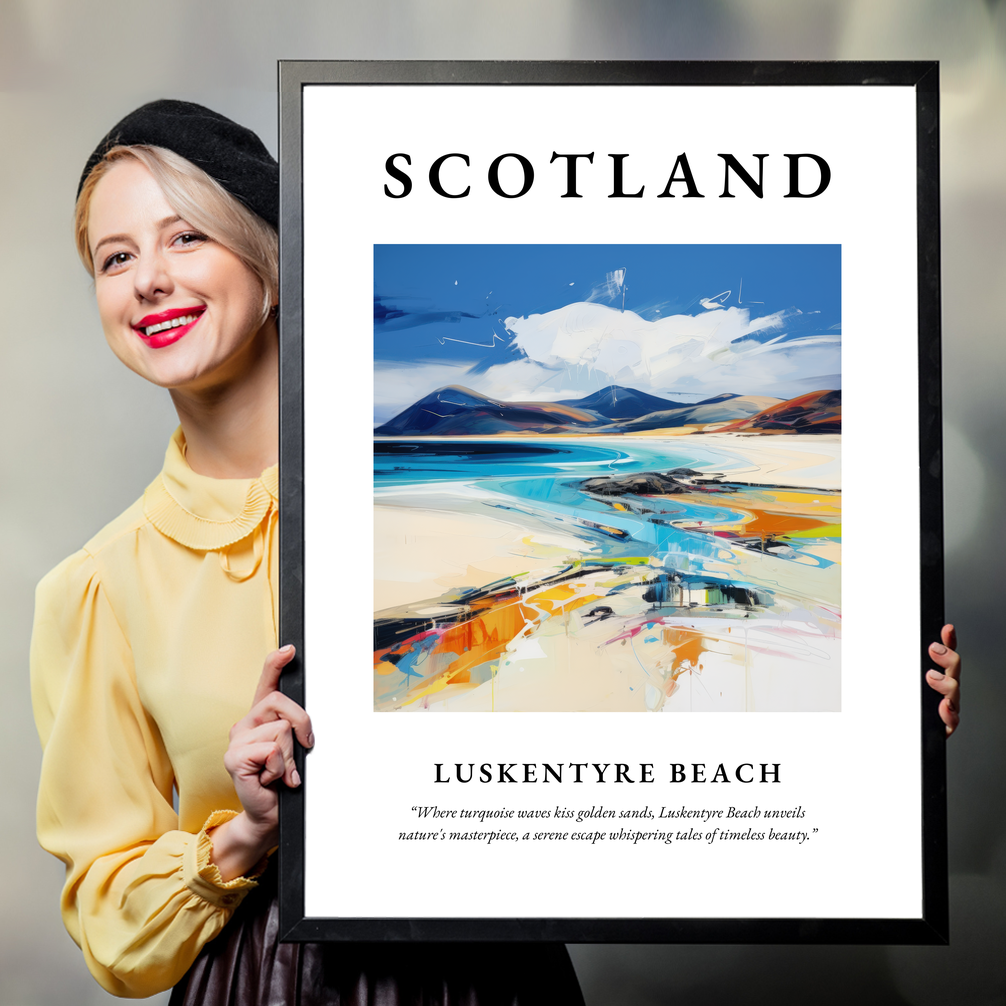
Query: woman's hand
[260, 753]
[947, 682]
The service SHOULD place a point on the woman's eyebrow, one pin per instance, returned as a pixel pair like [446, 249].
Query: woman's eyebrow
[160, 225]
[109, 240]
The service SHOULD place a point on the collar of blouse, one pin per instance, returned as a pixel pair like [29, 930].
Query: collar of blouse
[203, 513]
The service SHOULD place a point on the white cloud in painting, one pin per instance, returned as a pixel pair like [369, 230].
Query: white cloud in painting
[523, 380]
[611, 290]
[578, 348]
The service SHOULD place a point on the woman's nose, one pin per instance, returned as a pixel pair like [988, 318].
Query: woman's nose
[152, 277]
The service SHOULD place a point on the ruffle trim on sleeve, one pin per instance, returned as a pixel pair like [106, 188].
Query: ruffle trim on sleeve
[202, 876]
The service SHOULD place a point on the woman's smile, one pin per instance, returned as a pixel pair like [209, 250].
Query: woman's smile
[166, 327]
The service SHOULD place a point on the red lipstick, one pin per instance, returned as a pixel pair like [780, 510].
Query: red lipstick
[165, 333]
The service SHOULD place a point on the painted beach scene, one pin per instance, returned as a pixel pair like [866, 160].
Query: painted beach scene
[607, 478]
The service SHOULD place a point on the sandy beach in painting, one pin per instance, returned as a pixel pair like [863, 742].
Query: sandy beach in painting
[559, 579]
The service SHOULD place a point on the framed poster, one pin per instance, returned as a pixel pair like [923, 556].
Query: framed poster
[611, 501]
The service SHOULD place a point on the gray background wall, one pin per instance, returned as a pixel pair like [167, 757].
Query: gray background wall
[81, 436]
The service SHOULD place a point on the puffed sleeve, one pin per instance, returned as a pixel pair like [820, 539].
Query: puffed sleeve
[141, 898]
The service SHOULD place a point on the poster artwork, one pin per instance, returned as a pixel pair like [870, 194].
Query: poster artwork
[607, 477]
[654, 353]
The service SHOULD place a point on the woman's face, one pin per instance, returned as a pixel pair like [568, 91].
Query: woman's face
[177, 308]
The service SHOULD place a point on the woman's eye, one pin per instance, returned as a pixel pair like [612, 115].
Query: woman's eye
[190, 238]
[114, 261]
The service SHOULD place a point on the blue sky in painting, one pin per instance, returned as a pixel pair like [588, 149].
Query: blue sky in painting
[547, 322]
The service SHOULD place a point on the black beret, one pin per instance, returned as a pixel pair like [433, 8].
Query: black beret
[231, 154]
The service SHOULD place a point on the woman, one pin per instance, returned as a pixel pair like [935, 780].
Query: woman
[148, 643]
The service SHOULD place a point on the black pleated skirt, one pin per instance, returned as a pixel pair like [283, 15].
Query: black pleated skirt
[246, 965]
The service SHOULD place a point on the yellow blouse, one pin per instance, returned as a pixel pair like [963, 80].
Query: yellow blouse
[147, 647]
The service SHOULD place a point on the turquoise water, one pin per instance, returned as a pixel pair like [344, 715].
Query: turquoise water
[408, 462]
[540, 480]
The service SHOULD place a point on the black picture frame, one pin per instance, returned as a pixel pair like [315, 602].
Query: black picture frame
[932, 925]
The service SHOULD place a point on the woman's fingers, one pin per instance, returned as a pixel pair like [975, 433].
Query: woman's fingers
[277, 706]
[948, 659]
[947, 686]
[261, 749]
[270, 703]
[278, 736]
[950, 690]
[274, 766]
[271, 670]
[950, 716]
[947, 680]
[259, 760]
[949, 636]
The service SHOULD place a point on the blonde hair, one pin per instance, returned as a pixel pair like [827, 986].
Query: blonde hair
[199, 200]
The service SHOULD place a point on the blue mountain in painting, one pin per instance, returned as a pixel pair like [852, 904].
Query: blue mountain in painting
[456, 411]
[721, 409]
[618, 403]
